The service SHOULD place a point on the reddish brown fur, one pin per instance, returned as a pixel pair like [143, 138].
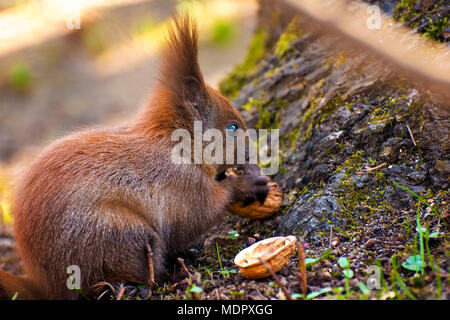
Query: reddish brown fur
[95, 198]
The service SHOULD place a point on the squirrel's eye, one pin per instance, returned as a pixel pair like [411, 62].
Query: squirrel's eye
[232, 127]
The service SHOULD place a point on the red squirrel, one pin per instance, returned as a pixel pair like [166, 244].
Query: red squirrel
[97, 198]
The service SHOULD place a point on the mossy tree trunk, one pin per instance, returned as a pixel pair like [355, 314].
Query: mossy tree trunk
[350, 126]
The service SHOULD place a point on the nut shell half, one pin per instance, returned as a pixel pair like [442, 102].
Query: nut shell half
[274, 251]
[256, 210]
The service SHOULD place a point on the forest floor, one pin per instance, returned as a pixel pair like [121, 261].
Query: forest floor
[213, 274]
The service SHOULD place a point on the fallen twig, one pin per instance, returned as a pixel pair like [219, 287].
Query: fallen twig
[367, 169]
[103, 284]
[277, 279]
[184, 281]
[151, 270]
[411, 135]
[394, 247]
[121, 292]
[217, 294]
[302, 274]
[181, 262]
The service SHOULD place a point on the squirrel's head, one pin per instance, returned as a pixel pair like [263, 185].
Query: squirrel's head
[190, 99]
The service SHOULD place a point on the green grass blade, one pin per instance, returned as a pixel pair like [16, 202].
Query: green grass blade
[417, 196]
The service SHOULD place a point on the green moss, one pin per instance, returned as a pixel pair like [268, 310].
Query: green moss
[308, 131]
[340, 60]
[291, 33]
[353, 163]
[272, 72]
[241, 74]
[312, 106]
[284, 43]
[408, 13]
[336, 62]
[281, 104]
[318, 194]
[282, 170]
[359, 204]
[330, 108]
[313, 117]
[404, 11]
[251, 103]
[436, 28]
[307, 117]
[379, 115]
[268, 119]
[289, 140]
[269, 115]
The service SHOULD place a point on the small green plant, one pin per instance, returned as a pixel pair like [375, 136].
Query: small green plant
[309, 262]
[347, 272]
[233, 234]
[365, 291]
[395, 276]
[20, 77]
[417, 196]
[315, 294]
[236, 294]
[296, 296]
[194, 292]
[414, 263]
[223, 271]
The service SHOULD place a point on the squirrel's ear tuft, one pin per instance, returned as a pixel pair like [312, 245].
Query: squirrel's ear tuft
[180, 71]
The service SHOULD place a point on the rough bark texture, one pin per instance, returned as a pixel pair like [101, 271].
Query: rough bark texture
[340, 109]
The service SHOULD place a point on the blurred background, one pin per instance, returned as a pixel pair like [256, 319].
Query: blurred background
[68, 64]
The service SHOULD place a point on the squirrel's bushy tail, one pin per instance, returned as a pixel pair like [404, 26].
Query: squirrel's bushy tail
[17, 286]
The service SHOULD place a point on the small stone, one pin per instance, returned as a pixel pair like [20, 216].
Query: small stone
[442, 166]
[370, 243]
[277, 219]
[335, 269]
[251, 241]
[390, 149]
[446, 33]
[211, 241]
[326, 263]
[399, 237]
[353, 283]
[324, 276]
[335, 241]
[417, 176]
